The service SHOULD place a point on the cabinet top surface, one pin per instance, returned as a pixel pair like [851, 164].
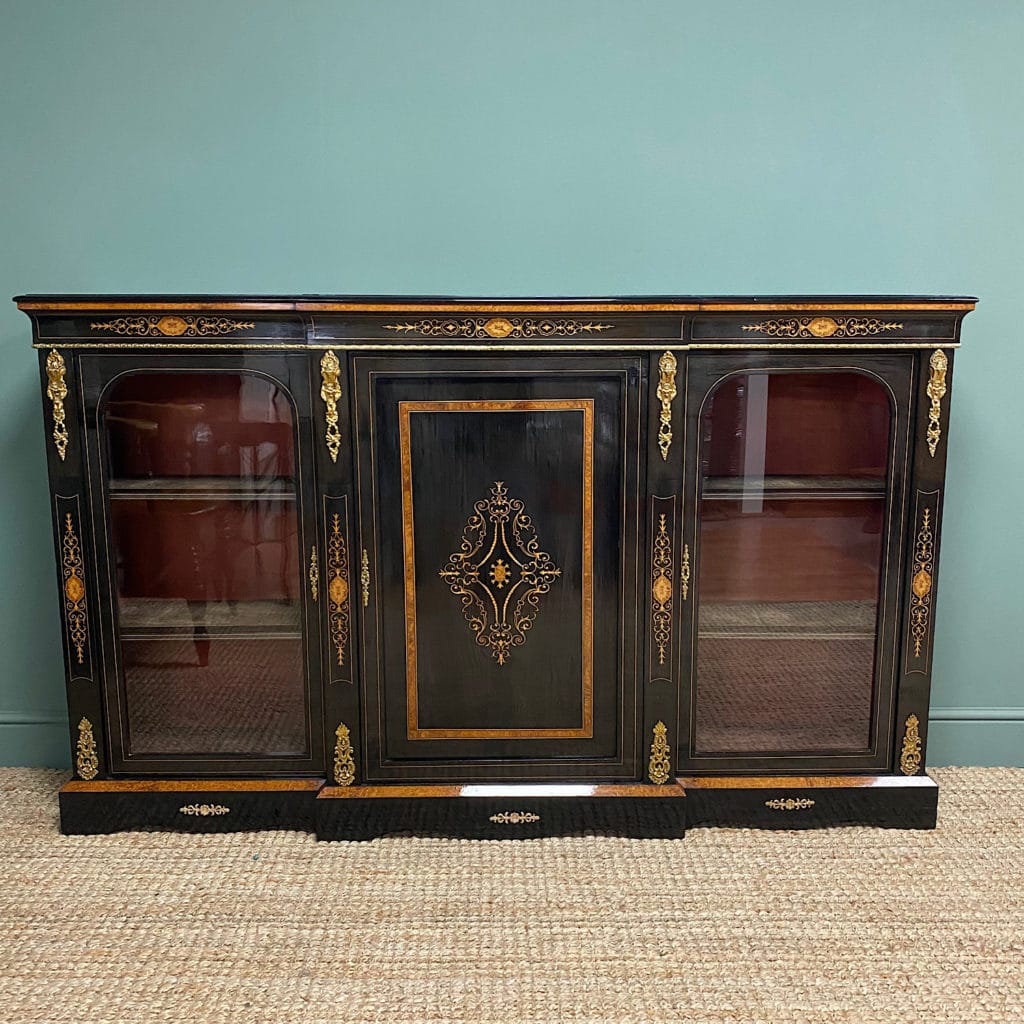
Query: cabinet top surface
[448, 303]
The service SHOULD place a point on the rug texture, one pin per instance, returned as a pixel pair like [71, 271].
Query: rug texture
[849, 925]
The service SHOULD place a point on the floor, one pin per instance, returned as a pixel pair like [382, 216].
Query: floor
[851, 925]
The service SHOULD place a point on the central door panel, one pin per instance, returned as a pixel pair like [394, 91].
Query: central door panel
[500, 526]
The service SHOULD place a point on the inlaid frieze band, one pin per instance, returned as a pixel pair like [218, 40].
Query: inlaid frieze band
[498, 327]
[173, 326]
[824, 327]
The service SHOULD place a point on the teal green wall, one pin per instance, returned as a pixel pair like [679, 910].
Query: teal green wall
[555, 147]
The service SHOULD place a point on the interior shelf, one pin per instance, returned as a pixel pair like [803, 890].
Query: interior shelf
[227, 488]
[787, 620]
[731, 488]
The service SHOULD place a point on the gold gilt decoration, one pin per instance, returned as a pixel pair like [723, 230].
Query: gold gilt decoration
[56, 392]
[659, 767]
[789, 804]
[204, 810]
[87, 764]
[344, 762]
[661, 590]
[497, 327]
[364, 578]
[824, 327]
[314, 574]
[921, 583]
[666, 393]
[910, 755]
[499, 572]
[337, 588]
[936, 390]
[173, 326]
[684, 573]
[514, 817]
[74, 589]
[330, 392]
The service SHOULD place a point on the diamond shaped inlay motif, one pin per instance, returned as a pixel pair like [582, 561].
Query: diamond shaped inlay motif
[500, 572]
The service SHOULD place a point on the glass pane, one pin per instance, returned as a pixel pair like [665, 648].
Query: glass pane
[205, 541]
[793, 501]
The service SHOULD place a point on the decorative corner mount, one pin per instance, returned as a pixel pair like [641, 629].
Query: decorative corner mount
[87, 764]
[330, 392]
[936, 391]
[344, 760]
[56, 392]
[659, 767]
[666, 393]
[910, 755]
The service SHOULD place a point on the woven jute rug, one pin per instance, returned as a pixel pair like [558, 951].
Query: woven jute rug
[850, 925]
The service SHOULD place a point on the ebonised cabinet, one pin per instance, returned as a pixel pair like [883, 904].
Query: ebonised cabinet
[496, 568]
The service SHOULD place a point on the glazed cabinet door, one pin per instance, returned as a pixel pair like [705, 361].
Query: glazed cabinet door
[201, 486]
[796, 474]
[498, 527]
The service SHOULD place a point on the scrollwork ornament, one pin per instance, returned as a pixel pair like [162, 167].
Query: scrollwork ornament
[173, 326]
[338, 588]
[824, 327]
[910, 755]
[661, 590]
[666, 395]
[330, 392]
[498, 327]
[936, 391]
[73, 574]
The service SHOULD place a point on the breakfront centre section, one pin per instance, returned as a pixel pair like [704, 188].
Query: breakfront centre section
[496, 568]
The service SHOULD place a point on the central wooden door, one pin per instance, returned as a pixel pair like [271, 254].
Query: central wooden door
[499, 524]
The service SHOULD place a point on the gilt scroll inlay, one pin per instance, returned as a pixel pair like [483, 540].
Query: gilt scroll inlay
[936, 390]
[910, 755]
[344, 759]
[337, 588]
[824, 327]
[87, 764]
[921, 583]
[661, 590]
[659, 767]
[514, 817]
[666, 394]
[73, 574]
[499, 572]
[330, 392]
[498, 327]
[56, 392]
[173, 326]
[684, 573]
[204, 810]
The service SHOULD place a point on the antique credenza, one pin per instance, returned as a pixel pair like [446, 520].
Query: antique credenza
[496, 568]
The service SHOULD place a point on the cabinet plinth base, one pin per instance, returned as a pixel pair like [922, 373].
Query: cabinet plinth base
[187, 805]
[820, 801]
[501, 811]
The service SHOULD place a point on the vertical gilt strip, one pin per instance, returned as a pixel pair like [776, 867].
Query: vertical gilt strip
[338, 587]
[364, 578]
[56, 392]
[73, 573]
[314, 574]
[936, 390]
[661, 589]
[666, 393]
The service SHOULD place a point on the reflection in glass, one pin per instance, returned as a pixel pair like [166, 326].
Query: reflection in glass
[205, 539]
[793, 502]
